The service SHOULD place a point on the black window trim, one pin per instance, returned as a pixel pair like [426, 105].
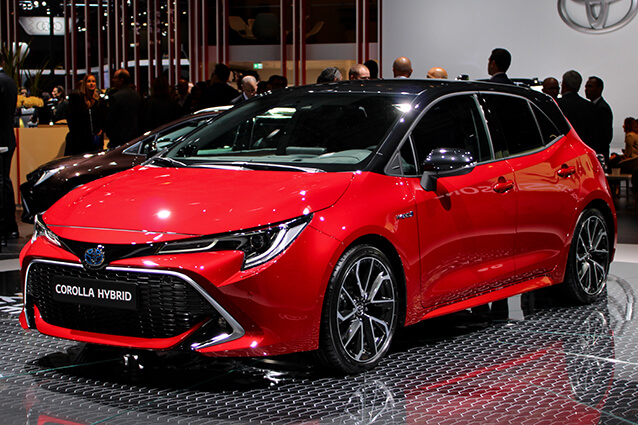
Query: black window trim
[480, 101]
[531, 105]
[408, 136]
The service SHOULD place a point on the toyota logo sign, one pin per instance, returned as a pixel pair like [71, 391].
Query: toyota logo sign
[597, 16]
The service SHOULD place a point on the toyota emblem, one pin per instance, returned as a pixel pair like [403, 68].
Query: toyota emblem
[94, 257]
[597, 16]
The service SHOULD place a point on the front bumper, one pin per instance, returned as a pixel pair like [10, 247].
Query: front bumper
[198, 301]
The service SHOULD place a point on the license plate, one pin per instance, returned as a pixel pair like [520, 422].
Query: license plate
[100, 293]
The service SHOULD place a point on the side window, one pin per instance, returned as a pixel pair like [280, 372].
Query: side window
[402, 163]
[454, 122]
[549, 132]
[407, 159]
[168, 136]
[512, 124]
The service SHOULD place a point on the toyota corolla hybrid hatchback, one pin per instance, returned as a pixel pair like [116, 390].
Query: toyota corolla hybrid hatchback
[49, 182]
[322, 218]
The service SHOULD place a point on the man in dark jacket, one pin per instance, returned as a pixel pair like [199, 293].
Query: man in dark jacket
[8, 100]
[578, 110]
[218, 92]
[498, 64]
[125, 107]
[604, 116]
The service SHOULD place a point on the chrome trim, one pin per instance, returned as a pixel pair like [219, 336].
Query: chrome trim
[148, 232]
[409, 214]
[25, 294]
[238, 330]
[597, 24]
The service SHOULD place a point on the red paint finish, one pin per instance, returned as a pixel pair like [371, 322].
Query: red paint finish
[502, 228]
[457, 249]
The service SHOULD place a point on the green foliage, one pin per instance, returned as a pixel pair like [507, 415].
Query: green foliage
[14, 61]
[14, 66]
[35, 79]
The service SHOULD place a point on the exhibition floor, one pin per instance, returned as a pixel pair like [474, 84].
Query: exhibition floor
[538, 362]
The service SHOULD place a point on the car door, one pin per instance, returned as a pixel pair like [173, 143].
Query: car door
[547, 180]
[467, 225]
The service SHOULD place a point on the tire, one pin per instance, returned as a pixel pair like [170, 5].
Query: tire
[589, 257]
[360, 312]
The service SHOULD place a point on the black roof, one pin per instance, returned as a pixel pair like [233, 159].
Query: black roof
[411, 86]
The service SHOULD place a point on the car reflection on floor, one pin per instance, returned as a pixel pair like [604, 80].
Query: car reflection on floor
[544, 362]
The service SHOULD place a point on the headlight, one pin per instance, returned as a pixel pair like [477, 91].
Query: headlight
[41, 230]
[45, 175]
[259, 245]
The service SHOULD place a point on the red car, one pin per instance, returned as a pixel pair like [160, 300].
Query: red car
[321, 218]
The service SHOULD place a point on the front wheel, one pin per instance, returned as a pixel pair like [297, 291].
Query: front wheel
[360, 312]
[589, 257]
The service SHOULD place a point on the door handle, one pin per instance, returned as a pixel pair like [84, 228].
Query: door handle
[566, 171]
[503, 185]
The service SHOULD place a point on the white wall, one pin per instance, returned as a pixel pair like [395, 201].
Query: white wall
[460, 34]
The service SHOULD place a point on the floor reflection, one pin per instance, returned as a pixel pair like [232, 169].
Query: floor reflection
[541, 362]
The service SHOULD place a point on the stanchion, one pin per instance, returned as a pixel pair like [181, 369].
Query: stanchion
[3, 236]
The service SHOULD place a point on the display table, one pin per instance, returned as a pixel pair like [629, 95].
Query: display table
[36, 146]
[619, 179]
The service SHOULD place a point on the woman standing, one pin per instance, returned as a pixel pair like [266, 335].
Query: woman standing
[85, 119]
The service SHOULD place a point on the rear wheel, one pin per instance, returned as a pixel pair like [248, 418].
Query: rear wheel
[360, 312]
[589, 257]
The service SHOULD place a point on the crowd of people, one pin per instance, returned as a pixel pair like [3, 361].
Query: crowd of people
[121, 113]
[592, 118]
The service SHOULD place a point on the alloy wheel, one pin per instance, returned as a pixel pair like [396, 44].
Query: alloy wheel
[592, 255]
[366, 309]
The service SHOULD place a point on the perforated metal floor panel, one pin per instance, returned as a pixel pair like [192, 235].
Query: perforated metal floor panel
[536, 362]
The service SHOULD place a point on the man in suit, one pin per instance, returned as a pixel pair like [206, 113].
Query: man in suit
[8, 100]
[359, 72]
[218, 92]
[498, 64]
[248, 89]
[551, 87]
[437, 73]
[125, 107]
[402, 67]
[604, 117]
[578, 110]
[329, 75]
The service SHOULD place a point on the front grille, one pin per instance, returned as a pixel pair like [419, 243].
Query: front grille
[167, 305]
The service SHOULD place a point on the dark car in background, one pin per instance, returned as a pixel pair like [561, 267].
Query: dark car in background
[49, 182]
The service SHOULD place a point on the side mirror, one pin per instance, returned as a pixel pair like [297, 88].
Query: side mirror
[150, 148]
[445, 162]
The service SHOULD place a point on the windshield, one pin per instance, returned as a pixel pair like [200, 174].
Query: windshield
[295, 130]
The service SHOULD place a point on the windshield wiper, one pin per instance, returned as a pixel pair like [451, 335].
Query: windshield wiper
[277, 167]
[166, 162]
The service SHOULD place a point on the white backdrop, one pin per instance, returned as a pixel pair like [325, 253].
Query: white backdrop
[460, 34]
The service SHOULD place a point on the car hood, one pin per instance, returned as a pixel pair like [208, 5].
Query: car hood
[67, 161]
[76, 160]
[195, 201]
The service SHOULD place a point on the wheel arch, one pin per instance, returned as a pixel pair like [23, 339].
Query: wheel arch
[609, 216]
[390, 251]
